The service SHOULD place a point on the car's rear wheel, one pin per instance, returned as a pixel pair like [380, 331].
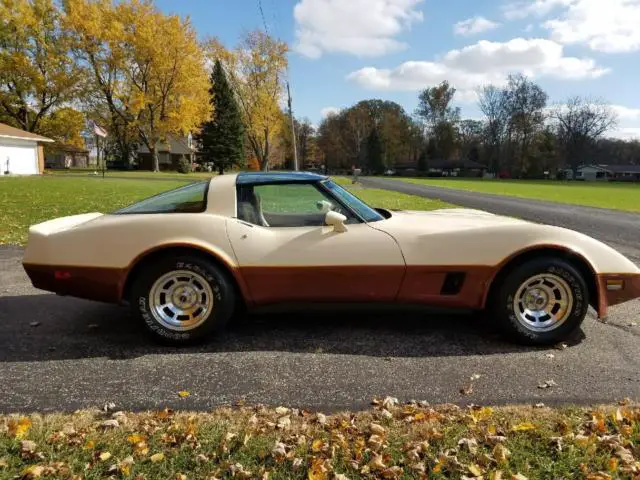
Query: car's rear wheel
[182, 299]
[542, 301]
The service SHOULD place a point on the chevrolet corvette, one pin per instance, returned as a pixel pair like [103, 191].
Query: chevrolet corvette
[187, 259]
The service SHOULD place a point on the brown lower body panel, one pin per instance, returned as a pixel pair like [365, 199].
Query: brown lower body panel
[606, 298]
[415, 284]
[268, 285]
[423, 284]
[93, 283]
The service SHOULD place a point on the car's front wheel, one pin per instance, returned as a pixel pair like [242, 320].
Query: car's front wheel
[181, 299]
[541, 301]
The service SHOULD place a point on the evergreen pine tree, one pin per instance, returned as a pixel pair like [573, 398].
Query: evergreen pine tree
[222, 137]
[374, 151]
[423, 161]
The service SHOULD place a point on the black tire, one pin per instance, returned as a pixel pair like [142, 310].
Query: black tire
[224, 298]
[502, 303]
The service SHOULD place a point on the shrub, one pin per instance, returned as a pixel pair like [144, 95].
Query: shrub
[184, 165]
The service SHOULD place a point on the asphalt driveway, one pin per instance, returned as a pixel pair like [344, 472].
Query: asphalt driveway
[61, 353]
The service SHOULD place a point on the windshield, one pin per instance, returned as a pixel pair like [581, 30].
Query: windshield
[189, 199]
[363, 210]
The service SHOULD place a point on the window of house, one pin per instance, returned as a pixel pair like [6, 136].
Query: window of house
[189, 199]
[286, 205]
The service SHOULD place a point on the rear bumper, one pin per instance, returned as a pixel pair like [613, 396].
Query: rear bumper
[92, 283]
[628, 290]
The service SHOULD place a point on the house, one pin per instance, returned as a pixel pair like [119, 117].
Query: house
[628, 173]
[442, 168]
[169, 153]
[21, 152]
[58, 155]
[455, 168]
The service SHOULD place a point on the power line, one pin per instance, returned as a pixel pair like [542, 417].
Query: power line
[289, 101]
[264, 21]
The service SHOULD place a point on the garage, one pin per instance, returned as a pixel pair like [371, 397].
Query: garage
[21, 152]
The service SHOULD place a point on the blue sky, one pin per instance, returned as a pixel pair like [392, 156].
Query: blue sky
[343, 51]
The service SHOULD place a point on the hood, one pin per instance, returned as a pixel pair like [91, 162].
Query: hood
[453, 218]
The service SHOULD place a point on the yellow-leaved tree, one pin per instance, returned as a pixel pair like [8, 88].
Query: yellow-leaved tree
[37, 72]
[148, 68]
[98, 42]
[65, 125]
[256, 70]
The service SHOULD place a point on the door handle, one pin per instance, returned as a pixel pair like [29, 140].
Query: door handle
[244, 223]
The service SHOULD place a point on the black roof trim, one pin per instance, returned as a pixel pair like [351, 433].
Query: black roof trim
[264, 178]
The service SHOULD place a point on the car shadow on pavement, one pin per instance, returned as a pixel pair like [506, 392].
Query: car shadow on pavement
[48, 327]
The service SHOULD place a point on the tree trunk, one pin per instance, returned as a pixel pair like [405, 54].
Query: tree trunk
[155, 158]
[220, 170]
[523, 155]
[125, 154]
[264, 161]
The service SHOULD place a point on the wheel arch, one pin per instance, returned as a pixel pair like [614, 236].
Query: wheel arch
[577, 260]
[136, 266]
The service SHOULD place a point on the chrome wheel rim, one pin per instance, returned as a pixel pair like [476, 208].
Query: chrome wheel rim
[181, 300]
[543, 302]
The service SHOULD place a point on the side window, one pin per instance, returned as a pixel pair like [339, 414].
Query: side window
[189, 199]
[285, 205]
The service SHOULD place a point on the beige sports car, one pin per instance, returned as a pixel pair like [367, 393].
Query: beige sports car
[187, 259]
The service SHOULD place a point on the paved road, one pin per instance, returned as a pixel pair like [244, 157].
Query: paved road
[621, 230]
[83, 354]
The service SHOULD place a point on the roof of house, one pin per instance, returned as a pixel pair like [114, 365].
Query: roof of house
[7, 131]
[622, 168]
[440, 163]
[435, 163]
[614, 168]
[174, 144]
[595, 167]
[62, 147]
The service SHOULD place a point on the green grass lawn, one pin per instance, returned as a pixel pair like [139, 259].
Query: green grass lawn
[392, 200]
[25, 201]
[390, 441]
[397, 201]
[142, 174]
[618, 196]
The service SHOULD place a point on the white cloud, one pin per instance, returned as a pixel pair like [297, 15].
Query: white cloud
[358, 27]
[608, 26]
[474, 25]
[626, 113]
[524, 8]
[481, 63]
[625, 133]
[326, 111]
[603, 25]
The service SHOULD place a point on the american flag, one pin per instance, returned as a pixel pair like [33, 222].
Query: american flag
[99, 131]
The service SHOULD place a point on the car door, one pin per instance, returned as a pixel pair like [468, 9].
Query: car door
[286, 253]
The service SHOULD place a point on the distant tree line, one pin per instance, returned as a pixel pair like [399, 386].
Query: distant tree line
[520, 134]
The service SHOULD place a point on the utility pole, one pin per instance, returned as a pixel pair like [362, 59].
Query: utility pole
[293, 130]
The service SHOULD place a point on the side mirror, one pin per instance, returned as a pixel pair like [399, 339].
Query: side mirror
[324, 206]
[336, 220]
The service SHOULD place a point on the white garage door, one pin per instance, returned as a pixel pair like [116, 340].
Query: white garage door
[18, 157]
